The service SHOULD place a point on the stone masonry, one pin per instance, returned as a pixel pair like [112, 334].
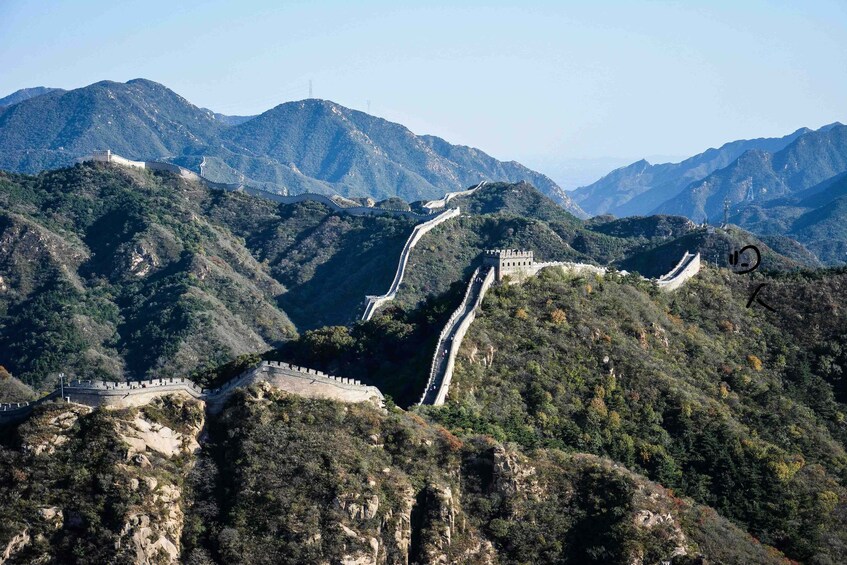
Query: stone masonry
[302, 381]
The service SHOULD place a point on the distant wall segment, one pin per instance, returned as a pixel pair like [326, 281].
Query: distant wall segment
[107, 156]
[442, 202]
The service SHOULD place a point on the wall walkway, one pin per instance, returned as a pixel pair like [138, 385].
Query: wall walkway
[451, 336]
[442, 202]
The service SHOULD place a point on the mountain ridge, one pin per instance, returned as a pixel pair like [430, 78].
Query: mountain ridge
[304, 146]
[638, 188]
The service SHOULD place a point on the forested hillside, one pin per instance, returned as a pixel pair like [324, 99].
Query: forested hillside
[278, 479]
[742, 409]
[113, 273]
[307, 146]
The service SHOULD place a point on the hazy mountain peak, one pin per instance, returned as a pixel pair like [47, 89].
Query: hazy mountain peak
[26, 94]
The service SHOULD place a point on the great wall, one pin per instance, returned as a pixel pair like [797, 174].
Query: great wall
[374, 302]
[290, 378]
[442, 202]
[107, 156]
[512, 266]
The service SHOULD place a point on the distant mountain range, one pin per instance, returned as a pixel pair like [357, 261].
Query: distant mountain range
[639, 188]
[789, 186]
[306, 146]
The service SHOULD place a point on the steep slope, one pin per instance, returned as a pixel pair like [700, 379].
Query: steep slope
[109, 272]
[715, 246]
[740, 408]
[277, 479]
[640, 187]
[139, 119]
[760, 176]
[25, 94]
[357, 154]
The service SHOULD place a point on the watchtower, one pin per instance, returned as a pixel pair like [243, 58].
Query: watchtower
[508, 261]
[103, 156]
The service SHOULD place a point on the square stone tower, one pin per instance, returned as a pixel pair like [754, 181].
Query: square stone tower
[508, 261]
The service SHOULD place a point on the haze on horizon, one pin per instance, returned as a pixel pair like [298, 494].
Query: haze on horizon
[558, 86]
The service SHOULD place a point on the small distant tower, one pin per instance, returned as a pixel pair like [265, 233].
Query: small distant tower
[369, 106]
[310, 88]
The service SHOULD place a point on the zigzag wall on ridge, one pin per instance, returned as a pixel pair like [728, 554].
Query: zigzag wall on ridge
[374, 302]
[687, 267]
[442, 202]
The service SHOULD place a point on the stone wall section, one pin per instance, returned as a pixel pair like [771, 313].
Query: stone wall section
[442, 202]
[450, 339]
[374, 302]
[687, 267]
[301, 381]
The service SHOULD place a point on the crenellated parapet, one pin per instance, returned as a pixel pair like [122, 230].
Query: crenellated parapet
[508, 261]
[302, 381]
[687, 267]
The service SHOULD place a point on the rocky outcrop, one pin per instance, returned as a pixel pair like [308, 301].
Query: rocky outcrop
[513, 476]
[152, 528]
[14, 545]
[142, 435]
[55, 432]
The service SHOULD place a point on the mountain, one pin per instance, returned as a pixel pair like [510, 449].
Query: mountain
[590, 419]
[25, 94]
[116, 273]
[691, 389]
[278, 479]
[355, 154]
[639, 188]
[307, 146]
[814, 217]
[715, 245]
[758, 176]
[139, 119]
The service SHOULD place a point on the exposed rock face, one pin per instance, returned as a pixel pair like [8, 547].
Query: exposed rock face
[359, 507]
[512, 477]
[152, 528]
[56, 433]
[143, 435]
[17, 543]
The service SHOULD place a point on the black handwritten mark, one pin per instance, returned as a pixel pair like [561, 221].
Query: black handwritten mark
[736, 255]
[759, 300]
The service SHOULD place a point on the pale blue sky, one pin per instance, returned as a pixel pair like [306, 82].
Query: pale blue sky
[542, 83]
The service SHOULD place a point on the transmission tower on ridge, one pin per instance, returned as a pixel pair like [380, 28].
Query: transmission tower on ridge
[310, 88]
